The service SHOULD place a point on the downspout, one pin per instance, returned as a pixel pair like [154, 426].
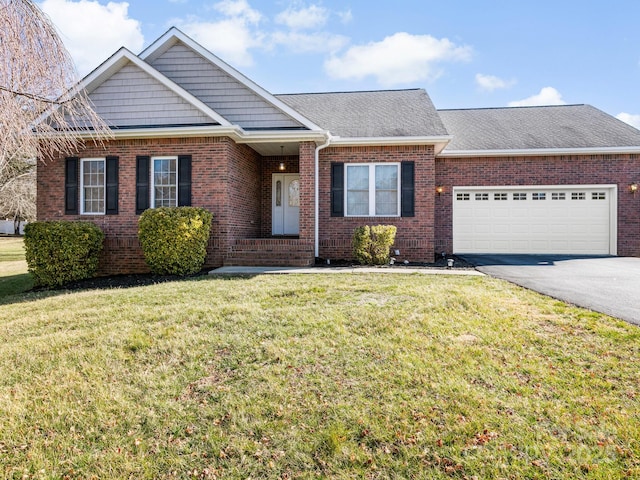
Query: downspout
[316, 227]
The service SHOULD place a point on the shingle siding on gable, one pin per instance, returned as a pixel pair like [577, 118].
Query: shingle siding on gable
[218, 90]
[132, 98]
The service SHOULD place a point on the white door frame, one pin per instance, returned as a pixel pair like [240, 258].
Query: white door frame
[285, 218]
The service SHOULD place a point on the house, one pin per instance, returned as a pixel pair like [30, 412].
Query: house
[288, 177]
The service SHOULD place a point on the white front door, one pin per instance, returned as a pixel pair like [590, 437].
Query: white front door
[285, 198]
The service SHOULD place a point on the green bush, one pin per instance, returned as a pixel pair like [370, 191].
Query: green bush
[372, 244]
[59, 252]
[174, 239]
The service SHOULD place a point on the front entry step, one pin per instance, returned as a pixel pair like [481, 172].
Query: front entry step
[271, 252]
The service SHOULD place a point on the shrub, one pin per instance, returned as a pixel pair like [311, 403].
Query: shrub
[371, 244]
[59, 252]
[174, 239]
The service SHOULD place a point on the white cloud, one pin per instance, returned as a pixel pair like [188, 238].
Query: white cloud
[633, 120]
[304, 18]
[398, 59]
[238, 9]
[346, 16]
[91, 31]
[490, 83]
[319, 42]
[230, 38]
[547, 96]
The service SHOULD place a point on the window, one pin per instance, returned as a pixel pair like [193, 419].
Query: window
[519, 196]
[482, 196]
[558, 196]
[598, 196]
[578, 196]
[462, 196]
[92, 186]
[538, 196]
[372, 189]
[162, 181]
[165, 182]
[500, 196]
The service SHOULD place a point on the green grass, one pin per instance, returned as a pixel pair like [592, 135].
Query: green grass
[348, 376]
[13, 267]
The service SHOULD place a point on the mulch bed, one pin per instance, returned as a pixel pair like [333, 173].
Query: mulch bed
[140, 280]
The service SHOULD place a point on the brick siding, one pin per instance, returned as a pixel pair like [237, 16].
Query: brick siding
[415, 235]
[225, 180]
[621, 170]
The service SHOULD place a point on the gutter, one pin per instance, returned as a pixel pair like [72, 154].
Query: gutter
[524, 152]
[316, 223]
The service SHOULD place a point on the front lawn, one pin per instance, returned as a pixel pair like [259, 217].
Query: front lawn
[13, 267]
[307, 376]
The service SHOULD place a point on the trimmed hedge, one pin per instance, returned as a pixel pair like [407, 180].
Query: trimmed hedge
[60, 252]
[174, 239]
[372, 244]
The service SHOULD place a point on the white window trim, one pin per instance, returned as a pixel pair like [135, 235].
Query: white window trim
[104, 185]
[372, 188]
[153, 176]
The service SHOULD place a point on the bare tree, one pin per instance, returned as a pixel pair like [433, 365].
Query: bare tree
[18, 193]
[42, 109]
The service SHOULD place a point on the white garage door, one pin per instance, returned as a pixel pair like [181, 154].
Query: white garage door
[565, 220]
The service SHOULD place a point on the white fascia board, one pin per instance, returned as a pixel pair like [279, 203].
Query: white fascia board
[175, 132]
[541, 152]
[122, 57]
[173, 34]
[279, 136]
[234, 132]
[439, 142]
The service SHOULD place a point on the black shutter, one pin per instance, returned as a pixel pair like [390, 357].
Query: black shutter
[337, 189]
[112, 186]
[142, 183]
[184, 181]
[407, 189]
[71, 185]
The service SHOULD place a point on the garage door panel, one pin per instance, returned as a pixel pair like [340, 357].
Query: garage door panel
[532, 220]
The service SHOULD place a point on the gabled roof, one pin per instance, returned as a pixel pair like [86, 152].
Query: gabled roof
[518, 130]
[390, 113]
[236, 84]
[121, 59]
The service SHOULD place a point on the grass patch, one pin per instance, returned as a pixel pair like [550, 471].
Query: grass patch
[341, 376]
[14, 277]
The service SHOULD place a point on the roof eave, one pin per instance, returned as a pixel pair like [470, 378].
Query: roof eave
[439, 142]
[235, 132]
[522, 152]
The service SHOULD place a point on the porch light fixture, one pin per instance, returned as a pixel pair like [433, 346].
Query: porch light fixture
[633, 188]
[282, 167]
[439, 189]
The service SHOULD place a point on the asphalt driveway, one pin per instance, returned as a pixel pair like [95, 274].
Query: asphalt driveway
[608, 285]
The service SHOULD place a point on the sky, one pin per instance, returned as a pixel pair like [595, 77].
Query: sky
[464, 53]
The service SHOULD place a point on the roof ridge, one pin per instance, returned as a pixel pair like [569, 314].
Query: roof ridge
[353, 91]
[512, 108]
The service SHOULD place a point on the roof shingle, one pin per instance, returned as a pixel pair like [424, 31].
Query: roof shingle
[515, 128]
[389, 113]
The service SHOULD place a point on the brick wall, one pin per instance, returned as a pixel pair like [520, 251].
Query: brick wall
[621, 170]
[415, 236]
[216, 164]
